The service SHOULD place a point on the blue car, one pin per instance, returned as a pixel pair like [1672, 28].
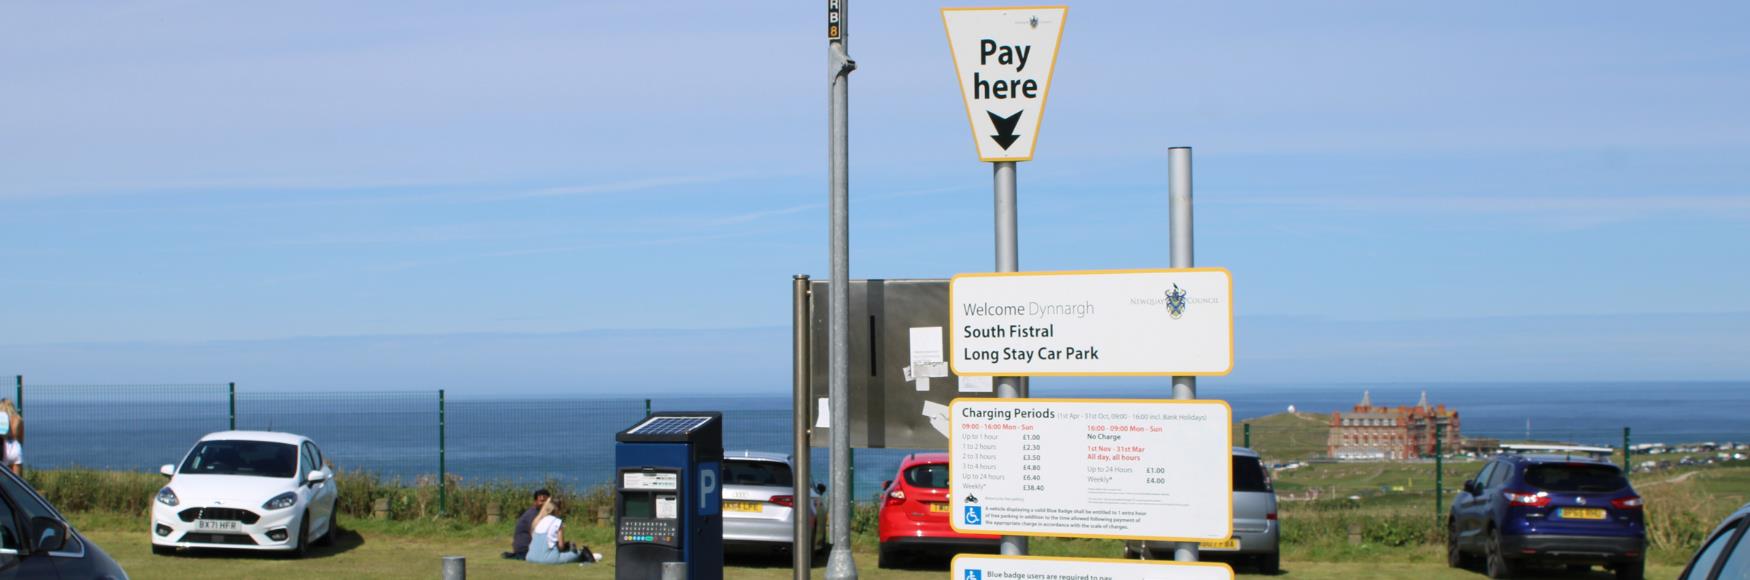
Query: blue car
[1527, 509]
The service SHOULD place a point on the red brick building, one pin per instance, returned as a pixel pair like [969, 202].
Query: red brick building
[1391, 433]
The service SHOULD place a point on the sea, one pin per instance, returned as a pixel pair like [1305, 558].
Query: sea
[528, 439]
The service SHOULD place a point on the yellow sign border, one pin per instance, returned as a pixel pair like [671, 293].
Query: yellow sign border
[1039, 120]
[953, 453]
[1232, 340]
[1230, 571]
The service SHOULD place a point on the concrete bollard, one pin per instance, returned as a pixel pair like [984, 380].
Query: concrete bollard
[604, 516]
[1354, 534]
[492, 513]
[455, 568]
[380, 508]
[674, 571]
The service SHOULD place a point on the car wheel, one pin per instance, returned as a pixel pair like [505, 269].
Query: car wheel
[1270, 564]
[327, 538]
[886, 558]
[1498, 565]
[1455, 556]
[1131, 554]
[303, 548]
[163, 550]
[1631, 570]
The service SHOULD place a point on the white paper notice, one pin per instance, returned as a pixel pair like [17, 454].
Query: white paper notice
[933, 369]
[666, 507]
[909, 374]
[823, 418]
[926, 344]
[938, 414]
[976, 385]
[923, 383]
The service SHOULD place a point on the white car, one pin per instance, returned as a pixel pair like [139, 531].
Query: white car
[250, 490]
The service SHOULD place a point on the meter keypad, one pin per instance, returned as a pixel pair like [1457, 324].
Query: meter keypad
[650, 531]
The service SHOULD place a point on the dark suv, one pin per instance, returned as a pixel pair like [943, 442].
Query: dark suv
[1524, 509]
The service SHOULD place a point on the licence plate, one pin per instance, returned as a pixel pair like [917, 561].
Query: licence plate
[743, 506]
[220, 525]
[1569, 513]
[938, 508]
[1229, 544]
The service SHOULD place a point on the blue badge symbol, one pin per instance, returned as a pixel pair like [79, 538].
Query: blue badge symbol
[974, 515]
[974, 575]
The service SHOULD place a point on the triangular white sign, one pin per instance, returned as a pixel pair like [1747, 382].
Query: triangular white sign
[1004, 58]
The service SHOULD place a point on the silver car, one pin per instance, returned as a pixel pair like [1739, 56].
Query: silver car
[759, 504]
[1257, 537]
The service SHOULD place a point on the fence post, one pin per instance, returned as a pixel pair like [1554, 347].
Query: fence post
[1439, 468]
[443, 470]
[1248, 444]
[18, 399]
[647, 407]
[233, 406]
[1627, 466]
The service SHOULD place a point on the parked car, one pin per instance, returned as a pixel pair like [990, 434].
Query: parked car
[759, 502]
[247, 490]
[37, 542]
[914, 513]
[1524, 509]
[1725, 555]
[1257, 536]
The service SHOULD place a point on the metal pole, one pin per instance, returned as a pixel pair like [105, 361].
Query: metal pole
[1008, 258]
[18, 399]
[1248, 444]
[647, 407]
[1439, 469]
[443, 469]
[840, 565]
[233, 393]
[455, 568]
[1627, 466]
[802, 550]
[1179, 219]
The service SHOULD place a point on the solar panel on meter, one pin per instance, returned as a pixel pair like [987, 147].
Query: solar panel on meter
[669, 425]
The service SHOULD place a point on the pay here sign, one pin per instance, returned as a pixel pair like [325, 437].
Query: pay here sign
[1092, 323]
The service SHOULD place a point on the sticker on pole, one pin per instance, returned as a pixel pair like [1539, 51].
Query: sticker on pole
[1094, 323]
[1004, 58]
[992, 567]
[1092, 468]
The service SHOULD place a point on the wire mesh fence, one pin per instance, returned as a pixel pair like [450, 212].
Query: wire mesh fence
[128, 427]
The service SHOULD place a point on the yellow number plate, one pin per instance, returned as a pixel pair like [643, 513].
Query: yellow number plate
[742, 506]
[938, 508]
[1228, 544]
[1582, 513]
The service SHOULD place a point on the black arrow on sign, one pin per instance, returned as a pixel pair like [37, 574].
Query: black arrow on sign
[1005, 128]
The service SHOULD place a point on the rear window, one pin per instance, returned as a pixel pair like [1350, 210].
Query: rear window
[933, 476]
[1249, 475]
[1575, 477]
[756, 473]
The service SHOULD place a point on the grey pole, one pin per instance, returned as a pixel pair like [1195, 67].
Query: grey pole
[455, 568]
[1008, 260]
[1179, 215]
[840, 565]
[801, 551]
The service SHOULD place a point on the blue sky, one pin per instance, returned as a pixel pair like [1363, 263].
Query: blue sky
[330, 195]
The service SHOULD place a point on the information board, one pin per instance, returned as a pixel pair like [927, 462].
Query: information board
[1147, 469]
[1004, 58]
[1092, 323]
[991, 567]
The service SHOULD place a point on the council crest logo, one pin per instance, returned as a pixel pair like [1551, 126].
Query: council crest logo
[1176, 302]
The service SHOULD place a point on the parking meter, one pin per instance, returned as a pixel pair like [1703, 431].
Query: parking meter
[669, 498]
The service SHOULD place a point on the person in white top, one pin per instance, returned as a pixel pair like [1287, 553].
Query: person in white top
[12, 433]
[548, 545]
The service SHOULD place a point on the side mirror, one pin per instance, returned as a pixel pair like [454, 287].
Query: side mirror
[50, 534]
[886, 484]
[167, 469]
[316, 476]
[1470, 486]
[819, 488]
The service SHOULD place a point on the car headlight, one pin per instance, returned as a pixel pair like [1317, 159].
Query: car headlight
[167, 497]
[281, 501]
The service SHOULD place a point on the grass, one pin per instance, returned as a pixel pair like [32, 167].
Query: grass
[1286, 436]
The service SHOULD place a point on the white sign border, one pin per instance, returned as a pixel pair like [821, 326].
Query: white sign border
[1044, 96]
[1232, 340]
[954, 564]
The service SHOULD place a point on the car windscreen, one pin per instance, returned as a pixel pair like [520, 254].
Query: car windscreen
[258, 458]
[1575, 477]
[932, 476]
[770, 473]
[1249, 474]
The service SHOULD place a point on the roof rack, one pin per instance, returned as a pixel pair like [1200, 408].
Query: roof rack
[1556, 449]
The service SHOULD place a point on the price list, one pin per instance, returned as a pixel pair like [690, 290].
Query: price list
[1111, 468]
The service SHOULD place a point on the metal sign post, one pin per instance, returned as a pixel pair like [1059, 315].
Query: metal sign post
[840, 564]
[1179, 215]
[1008, 260]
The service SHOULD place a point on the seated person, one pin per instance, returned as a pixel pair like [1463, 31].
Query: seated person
[519, 539]
[548, 545]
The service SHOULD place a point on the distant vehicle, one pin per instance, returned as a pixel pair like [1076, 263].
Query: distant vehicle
[759, 502]
[1526, 509]
[247, 490]
[37, 542]
[1725, 555]
[1257, 535]
[914, 513]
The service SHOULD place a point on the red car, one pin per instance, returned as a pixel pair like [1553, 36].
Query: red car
[914, 512]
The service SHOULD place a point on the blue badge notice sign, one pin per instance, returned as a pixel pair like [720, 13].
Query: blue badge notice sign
[992, 567]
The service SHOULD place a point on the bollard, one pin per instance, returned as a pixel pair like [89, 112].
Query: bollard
[674, 571]
[604, 515]
[1354, 534]
[455, 568]
[492, 513]
[380, 508]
